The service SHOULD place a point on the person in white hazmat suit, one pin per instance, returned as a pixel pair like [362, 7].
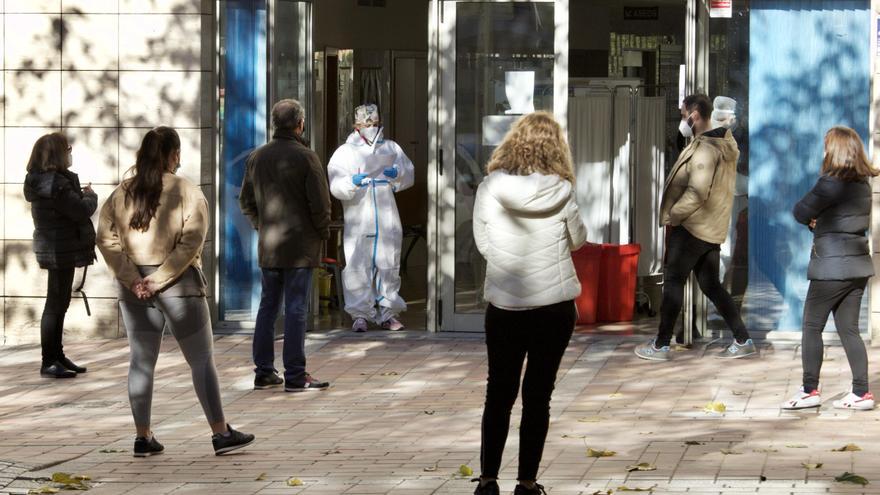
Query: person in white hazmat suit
[365, 173]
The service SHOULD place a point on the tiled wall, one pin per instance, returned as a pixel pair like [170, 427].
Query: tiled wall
[103, 72]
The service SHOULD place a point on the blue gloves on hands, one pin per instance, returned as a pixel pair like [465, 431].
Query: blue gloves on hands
[390, 172]
[357, 179]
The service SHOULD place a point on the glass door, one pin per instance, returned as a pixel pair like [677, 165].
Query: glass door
[495, 61]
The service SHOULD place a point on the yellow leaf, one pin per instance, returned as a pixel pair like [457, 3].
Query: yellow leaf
[715, 407]
[42, 490]
[566, 435]
[730, 452]
[851, 478]
[850, 447]
[811, 466]
[642, 466]
[294, 482]
[615, 395]
[765, 451]
[261, 477]
[624, 488]
[600, 453]
[465, 470]
[389, 373]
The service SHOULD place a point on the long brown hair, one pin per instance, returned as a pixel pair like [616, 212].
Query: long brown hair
[845, 156]
[145, 187]
[51, 152]
[535, 143]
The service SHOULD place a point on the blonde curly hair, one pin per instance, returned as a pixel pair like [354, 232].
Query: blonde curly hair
[535, 143]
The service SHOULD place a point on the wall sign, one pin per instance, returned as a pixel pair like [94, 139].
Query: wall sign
[721, 8]
[641, 13]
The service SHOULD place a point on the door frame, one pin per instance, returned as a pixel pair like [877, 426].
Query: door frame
[441, 315]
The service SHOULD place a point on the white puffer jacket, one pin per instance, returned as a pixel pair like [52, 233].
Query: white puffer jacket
[526, 226]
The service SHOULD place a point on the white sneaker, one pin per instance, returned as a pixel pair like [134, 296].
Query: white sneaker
[359, 325]
[803, 400]
[853, 401]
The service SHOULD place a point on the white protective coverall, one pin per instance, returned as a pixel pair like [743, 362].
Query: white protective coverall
[372, 234]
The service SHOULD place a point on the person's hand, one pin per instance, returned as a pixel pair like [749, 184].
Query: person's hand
[812, 224]
[358, 179]
[390, 172]
[88, 189]
[150, 287]
[140, 290]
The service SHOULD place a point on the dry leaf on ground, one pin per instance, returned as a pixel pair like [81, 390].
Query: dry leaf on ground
[715, 407]
[642, 466]
[600, 453]
[694, 442]
[850, 447]
[294, 482]
[851, 478]
[765, 451]
[71, 481]
[808, 465]
[431, 469]
[260, 477]
[43, 490]
[624, 488]
[465, 470]
[795, 445]
[730, 452]
[389, 373]
[615, 395]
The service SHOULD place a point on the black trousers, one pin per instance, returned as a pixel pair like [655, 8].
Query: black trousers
[685, 254]
[52, 323]
[541, 334]
[843, 298]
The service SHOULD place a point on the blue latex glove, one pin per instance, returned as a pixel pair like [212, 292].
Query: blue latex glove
[356, 179]
[390, 172]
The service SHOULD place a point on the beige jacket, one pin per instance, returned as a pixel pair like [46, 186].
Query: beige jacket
[173, 241]
[699, 189]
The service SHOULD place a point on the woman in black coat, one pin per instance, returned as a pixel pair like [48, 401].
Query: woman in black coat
[838, 211]
[64, 239]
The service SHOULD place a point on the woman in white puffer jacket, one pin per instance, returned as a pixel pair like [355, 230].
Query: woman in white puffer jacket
[526, 223]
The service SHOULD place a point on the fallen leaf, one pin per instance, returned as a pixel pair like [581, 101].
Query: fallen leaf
[850, 447]
[730, 452]
[42, 490]
[294, 482]
[642, 466]
[431, 469]
[851, 478]
[261, 477]
[615, 395]
[715, 407]
[429, 413]
[600, 492]
[590, 419]
[71, 481]
[111, 451]
[736, 392]
[624, 488]
[465, 470]
[811, 466]
[600, 453]
[331, 452]
[796, 446]
[566, 435]
[389, 373]
[694, 442]
[765, 451]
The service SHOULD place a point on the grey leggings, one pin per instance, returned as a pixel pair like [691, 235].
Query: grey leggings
[843, 298]
[190, 323]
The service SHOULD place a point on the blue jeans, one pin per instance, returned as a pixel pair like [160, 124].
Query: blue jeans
[295, 284]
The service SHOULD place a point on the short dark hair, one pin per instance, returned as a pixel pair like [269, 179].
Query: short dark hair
[287, 114]
[50, 153]
[700, 103]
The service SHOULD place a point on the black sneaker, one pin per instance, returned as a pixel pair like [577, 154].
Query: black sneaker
[537, 490]
[67, 363]
[311, 384]
[234, 440]
[490, 488]
[56, 370]
[267, 380]
[146, 447]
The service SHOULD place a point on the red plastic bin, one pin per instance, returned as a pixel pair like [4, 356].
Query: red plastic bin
[587, 263]
[617, 281]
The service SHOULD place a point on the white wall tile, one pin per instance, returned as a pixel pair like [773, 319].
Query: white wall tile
[163, 6]
[19, 141]
[149, 99]
[33, 98]
[42, 6]
[32, 41]
[95, 154]
[92, 42]
[159, 41]
[90, 6]
[18, 225]
[90, 98]
[22, 320]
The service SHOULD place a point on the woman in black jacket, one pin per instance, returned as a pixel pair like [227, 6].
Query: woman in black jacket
[64, 239]
[838, 211]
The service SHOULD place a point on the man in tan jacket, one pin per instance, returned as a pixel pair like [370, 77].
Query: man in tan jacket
[696, 205]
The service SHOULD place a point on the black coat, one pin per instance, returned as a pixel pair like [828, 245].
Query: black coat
[286, 197]
[842, 210]
[64, 236]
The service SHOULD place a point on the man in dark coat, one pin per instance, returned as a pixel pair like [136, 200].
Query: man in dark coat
[287, 199]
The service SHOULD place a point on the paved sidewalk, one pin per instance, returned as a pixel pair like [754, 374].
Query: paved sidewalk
[404, 414]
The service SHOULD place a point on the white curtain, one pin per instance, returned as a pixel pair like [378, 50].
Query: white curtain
[589, 134]
[649, 179]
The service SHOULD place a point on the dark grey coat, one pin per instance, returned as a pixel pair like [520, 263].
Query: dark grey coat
[842, 210]
[64, 236]
[286, 197]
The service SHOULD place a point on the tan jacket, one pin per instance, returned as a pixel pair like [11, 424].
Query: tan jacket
[698, 194]
[173, 241]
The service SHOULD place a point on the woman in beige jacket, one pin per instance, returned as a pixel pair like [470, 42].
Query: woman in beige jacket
[151, 232]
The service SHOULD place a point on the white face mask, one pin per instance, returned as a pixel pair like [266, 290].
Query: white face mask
[685, 129]
[370, 133]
